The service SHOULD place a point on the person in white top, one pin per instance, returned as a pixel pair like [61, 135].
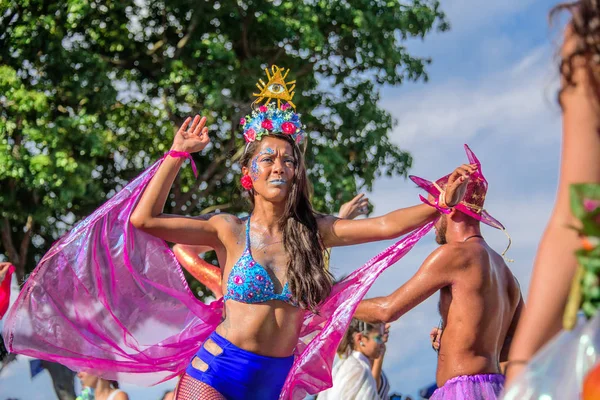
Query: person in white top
[102, 389]
[354, 377]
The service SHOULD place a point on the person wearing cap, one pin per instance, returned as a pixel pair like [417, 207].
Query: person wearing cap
[480, 300]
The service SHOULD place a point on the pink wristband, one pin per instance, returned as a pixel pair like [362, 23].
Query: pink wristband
[183, 154]
[436, 205]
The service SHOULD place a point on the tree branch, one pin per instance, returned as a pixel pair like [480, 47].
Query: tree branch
[276, 56]
[308, 67]
[7, 241]
[190, 30]
[244, 38]
[24, 248]
[168, 109]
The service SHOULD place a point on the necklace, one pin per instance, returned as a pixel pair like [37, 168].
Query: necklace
[471, 237]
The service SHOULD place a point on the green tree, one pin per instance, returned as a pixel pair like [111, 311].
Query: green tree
[91, 91]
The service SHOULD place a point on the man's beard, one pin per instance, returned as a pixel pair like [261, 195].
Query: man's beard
[440, 231]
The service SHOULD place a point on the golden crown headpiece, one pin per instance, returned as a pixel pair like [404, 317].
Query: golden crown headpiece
[277, 115]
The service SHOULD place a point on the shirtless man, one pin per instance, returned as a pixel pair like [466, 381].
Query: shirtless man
[480, 300]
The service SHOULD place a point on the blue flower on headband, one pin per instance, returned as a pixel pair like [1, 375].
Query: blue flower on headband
[271, 119]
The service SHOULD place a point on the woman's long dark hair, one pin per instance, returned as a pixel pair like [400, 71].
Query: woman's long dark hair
[309, 281]
[585, 25]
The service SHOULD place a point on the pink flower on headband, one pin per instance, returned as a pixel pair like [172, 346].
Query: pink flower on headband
[262, 109]
[250, 135]
[288, 128]
[267, 124]
[246, 182]
[243, 121]
[285, 106]
[590, 205]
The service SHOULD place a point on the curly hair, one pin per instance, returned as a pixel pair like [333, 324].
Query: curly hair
[585, 25]
[309, 280]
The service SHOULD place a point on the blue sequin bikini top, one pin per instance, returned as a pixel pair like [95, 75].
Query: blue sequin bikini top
[249, 281]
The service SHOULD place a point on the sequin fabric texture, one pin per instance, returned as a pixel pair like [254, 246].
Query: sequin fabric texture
[249, 281]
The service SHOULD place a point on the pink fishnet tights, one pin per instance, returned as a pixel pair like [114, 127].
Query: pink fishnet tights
[189, 388]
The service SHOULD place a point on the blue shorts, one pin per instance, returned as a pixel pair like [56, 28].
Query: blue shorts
[239, 374]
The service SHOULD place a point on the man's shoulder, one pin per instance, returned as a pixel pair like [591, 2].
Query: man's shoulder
[450, 252]
[460, 255]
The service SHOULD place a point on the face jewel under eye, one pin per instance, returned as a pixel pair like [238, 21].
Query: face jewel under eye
[276, 88]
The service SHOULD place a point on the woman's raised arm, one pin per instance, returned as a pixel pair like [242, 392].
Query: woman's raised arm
[148, 215]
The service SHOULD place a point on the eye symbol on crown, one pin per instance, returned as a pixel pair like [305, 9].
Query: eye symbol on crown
[276, 88]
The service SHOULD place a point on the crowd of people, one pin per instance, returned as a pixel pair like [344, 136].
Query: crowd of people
[280, 325]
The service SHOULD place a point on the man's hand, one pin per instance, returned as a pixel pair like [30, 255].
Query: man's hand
[435, 336]
[359, 205]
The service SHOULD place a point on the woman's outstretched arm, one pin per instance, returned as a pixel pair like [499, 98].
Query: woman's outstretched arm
[345, 232]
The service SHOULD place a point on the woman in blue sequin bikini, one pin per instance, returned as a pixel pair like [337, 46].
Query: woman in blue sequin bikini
[273, 262]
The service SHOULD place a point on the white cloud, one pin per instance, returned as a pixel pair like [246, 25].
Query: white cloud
[469, 15]
[505, 103]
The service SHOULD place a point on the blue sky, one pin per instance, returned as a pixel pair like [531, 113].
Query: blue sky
[492, 85]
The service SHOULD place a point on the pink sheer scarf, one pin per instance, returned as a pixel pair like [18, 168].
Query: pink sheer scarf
[112, 300]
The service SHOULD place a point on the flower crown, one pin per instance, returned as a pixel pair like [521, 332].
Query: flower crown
[273, 116]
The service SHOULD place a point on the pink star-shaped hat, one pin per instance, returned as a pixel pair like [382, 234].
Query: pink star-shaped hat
[472, 203]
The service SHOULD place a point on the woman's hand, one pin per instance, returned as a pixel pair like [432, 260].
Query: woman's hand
[359, 205]
[191, 138]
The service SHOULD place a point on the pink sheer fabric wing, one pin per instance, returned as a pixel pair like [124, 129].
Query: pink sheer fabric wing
[111, 300]
[321, 334]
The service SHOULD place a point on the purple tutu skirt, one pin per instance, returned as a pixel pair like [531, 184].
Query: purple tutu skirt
[471, 387]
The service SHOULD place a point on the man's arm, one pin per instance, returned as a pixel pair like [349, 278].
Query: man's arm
[511, 330]
[437, 271]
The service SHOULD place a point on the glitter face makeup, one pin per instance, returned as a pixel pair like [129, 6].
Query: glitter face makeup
[254, 172]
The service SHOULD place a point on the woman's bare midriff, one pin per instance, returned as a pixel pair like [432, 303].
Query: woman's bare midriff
[269, 329]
